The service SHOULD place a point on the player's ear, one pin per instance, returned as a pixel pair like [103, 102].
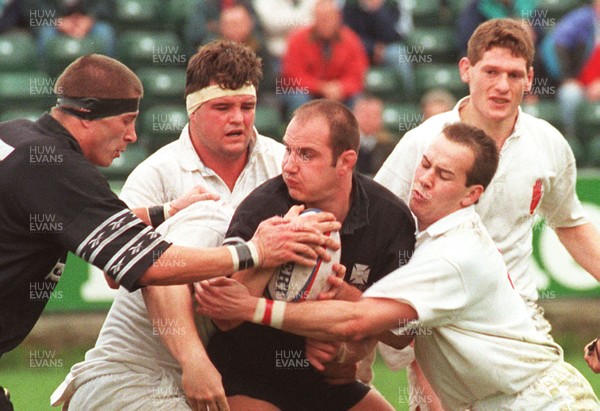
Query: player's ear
[463, 67]
[473, 193]
[348, 159]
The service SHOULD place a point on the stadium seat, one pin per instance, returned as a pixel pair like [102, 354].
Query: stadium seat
[435, 44]
[177, 13]
[588, 121]
[163, 85]
[548, 110]
[26, 90]
[129, 159]
[62, 50]
[17, 51]
[139, 49]
[426, 13]
[162, 124]
[444, 76]
[138, 14]
[29, 114]
[385, 83]
[400, 118]
[553, 10]
[268, 122]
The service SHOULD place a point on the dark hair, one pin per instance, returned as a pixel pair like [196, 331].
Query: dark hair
[98, 76]
[483, 147]
[231, 65]
[507, 33]
[343, 126]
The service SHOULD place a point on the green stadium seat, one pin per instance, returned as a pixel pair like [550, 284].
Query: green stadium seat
[553, 10]
[178, 12]
[26, 90]
[139, 49]
[444, 76]
[163, 85]
[435, 44]
[385, 83]
[29, 114]
[62, 50]
[268, 122]
[400, 118]
[121, 167]
[132, 14]
[548, 110]
[588, 121]
[162, 124]
[17, 51]
[427, 13]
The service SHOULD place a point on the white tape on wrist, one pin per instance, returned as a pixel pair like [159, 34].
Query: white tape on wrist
[259, 312]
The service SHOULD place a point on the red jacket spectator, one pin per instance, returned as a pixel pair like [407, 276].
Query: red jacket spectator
[308, 63]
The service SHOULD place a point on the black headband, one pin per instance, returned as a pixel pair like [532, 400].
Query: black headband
[94, 108]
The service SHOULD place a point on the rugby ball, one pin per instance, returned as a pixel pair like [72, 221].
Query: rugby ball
[295, 282]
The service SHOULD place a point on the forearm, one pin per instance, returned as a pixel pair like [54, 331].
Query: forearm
[395, 341]
[583, 243]
[184, 265]
[255, 280]
[170, 310]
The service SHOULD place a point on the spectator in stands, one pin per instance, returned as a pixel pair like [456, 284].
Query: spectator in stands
[376, 143]
[436, 101]
[290, 15]
[10, 15]
[381, 26]
[326, 60]
[202, 25]
[78, 19]
[237, 24]
[570, 53]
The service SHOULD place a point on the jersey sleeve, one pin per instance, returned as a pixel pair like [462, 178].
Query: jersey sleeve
[144, 188]
[561, 206]
[433, 287]
[88, 217]
[397, 172]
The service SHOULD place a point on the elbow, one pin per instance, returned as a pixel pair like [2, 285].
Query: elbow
[354, 329]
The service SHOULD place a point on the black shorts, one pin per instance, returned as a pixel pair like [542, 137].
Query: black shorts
[268, 364]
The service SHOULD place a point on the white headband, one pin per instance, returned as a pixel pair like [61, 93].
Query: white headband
[199, 97]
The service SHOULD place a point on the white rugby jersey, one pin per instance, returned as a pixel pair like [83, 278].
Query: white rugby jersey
[130, 342]
[176, 168]
[536, 176]
[474, 336]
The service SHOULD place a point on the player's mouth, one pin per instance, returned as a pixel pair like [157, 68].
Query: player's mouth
[418, 196]
[235, 133]
[499, 100]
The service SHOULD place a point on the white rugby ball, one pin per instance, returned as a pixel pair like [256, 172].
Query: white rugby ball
[295, 282]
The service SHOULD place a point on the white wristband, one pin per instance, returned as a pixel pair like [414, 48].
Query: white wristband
[254, 252]
[277, 314]
[259, 312]
[234, 257]
[167, 210]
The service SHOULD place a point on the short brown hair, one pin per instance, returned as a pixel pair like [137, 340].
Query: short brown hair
[343, 126]
[98, 76]
[483, 147]
[231, 65]
[506, 33]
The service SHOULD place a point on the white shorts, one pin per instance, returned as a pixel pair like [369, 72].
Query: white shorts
[559, 388]
[128, 391]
